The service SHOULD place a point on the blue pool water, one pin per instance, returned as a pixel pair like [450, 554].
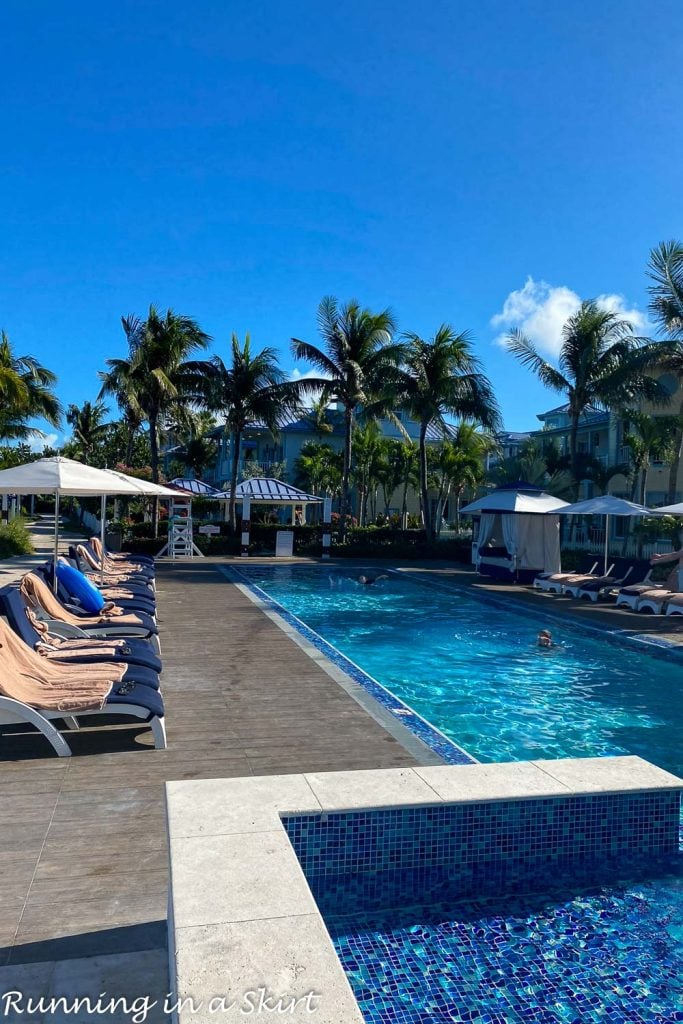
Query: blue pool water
[474, 671]
[610, 954]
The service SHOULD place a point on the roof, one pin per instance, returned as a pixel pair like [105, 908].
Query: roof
[590, 413]
[267, 489]
[306, 424]
[192, 486]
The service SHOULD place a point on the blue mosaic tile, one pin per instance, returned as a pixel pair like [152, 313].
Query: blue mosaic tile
[503, 841]
[608, 954]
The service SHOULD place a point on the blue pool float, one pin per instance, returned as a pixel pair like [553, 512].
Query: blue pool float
[80, 587]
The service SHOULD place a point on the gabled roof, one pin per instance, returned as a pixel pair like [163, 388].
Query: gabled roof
[192, 486]
[267, 489]
[592, 413]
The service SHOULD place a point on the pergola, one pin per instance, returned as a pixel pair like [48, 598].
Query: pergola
[265, 490]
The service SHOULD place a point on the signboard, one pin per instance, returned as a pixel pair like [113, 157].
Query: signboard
[209, 530]
[284, 544]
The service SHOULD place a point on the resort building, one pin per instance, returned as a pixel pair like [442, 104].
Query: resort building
[601, 435]
[262, 454]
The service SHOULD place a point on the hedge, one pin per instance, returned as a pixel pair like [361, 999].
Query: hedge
[15, 538]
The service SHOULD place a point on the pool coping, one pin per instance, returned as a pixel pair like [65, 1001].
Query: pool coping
[241, 912]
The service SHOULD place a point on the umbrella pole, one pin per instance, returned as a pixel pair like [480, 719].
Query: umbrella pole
[54, 574]
[606, 542]
[103, 514]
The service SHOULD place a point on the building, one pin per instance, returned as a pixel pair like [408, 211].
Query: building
[265, 455]
[601, 435]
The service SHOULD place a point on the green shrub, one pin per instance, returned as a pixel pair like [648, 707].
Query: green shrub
[15, 538]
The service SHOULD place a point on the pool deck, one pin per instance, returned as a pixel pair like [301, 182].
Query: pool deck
[83, 841]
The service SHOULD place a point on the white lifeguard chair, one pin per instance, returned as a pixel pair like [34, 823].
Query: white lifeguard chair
[180, 542]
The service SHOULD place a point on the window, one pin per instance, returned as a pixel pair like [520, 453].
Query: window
[669, 383]
[596, 440]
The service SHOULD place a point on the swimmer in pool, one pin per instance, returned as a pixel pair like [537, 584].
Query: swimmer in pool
[367, 581]
[545, 639]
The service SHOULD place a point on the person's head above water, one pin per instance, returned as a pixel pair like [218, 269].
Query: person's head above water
[545, 638]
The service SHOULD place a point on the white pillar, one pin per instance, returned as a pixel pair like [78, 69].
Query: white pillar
[327, 526]
[246, 526]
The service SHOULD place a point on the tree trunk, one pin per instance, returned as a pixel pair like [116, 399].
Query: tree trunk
[673, 469]
[643, 481]
[404, 504]
[426, 511]
[236, 444]
[573, 461]
[129, 444]
[346, 473]
[154, 459]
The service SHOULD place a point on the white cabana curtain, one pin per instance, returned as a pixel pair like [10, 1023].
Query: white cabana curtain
[487, 523]
[532, 541]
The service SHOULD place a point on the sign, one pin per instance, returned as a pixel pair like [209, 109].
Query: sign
[209, 530]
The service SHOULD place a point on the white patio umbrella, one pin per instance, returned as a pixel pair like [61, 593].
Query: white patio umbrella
[60, 476]
[142, 488]
[606, 505]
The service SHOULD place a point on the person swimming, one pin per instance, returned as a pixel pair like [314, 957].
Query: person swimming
[545, 639]
[368, 581]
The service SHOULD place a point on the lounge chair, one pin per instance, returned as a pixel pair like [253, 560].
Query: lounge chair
[629, 596]
[36, 692]
[573, 586]
[554, 581]
[592, 590]
[122, 574]
[121, 556]
[110, 623]
[118, 565]
[655, 601]
[128, 599]
[38, 635]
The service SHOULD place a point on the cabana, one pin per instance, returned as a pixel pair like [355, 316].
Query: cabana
[517, 534]
[265, 490]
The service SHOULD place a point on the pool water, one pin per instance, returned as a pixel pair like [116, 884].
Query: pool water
[474, 671]
[611, 954]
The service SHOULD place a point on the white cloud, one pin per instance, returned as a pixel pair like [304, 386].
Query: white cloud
[297, 374]
[540, 311]
[36, 444]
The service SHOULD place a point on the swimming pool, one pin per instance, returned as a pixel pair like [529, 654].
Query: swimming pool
[474, 671]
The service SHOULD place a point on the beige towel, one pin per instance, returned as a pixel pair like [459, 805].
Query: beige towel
[120, 565]
[58, 648]
[27, 677]
[120, 574]
[39, 595]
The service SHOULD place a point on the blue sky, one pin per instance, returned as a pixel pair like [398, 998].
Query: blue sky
[452, 160]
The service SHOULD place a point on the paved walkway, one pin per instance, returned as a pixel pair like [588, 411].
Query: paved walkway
[82, 844]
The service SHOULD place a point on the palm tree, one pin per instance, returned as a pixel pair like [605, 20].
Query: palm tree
[465, 459]
[319, 468]
[89, 429]
[442, 376]
[26, 390]
[652, 437]
[665, 270]
[155, 375]
[367, 457]
[252, 389]
[601, 363]
[358, 363]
